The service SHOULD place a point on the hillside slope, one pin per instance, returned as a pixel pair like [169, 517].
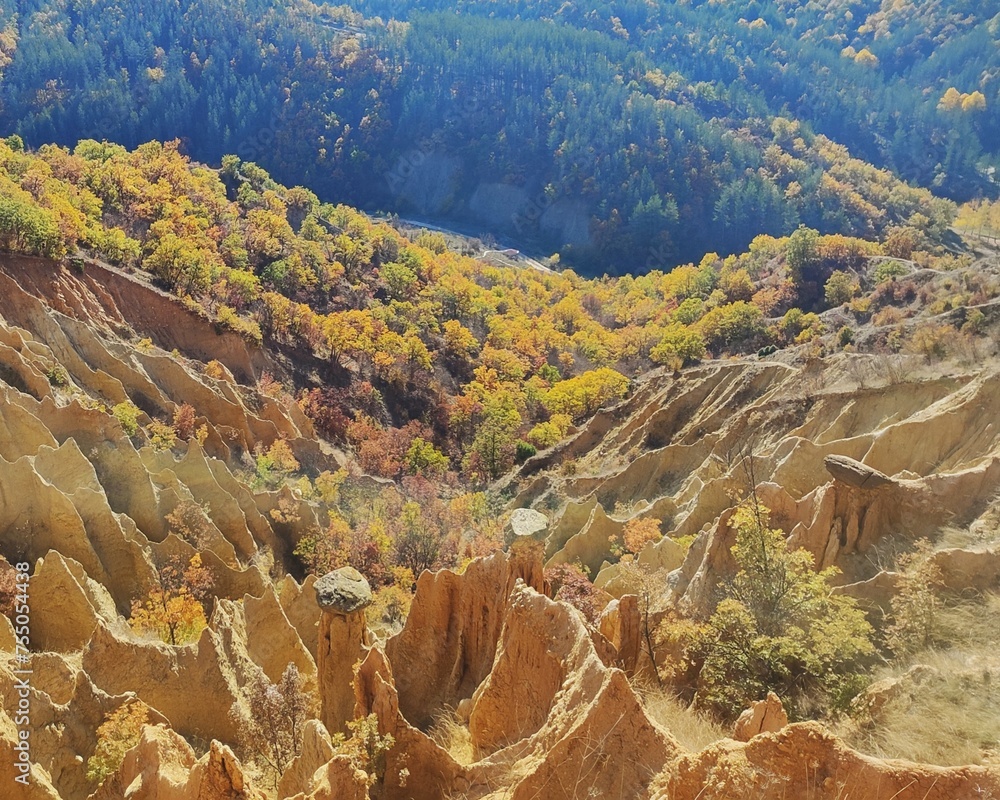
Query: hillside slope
[85, 505]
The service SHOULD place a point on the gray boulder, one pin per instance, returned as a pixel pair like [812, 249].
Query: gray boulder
[526, 524]
[854, 473]
[343, 591]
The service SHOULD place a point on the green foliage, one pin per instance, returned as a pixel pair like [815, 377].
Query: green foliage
[732, 324]
[161, 435]
[546, 434]
[779, 628]
[700, 151]
[524, 451]
[275, 464]
[887, 270]
[840, 288]
[367, 747]
[127, 414]
[492, 450]
[116, 735]
[57, 375]
[802, 250]
[679, 342]
[26, 228]
[423, 458]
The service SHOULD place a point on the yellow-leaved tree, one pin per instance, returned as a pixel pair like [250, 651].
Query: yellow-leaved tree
[173, 611]
[118, 734]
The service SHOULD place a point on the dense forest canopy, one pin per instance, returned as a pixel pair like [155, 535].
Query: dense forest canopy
[629, 136]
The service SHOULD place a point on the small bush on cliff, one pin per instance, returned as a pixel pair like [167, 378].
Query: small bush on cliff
[275, 464]
[367, 748]
[568, 582]
[915, 603]
[118, 734]
[780, 628]
[127, 415]
[269, 722]
[173, 611]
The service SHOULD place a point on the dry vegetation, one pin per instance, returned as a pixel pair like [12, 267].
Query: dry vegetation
[946, 709]
[692, 729]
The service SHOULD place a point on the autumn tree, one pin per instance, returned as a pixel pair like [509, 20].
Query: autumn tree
[568, 582]
[584, 394]
[780, 627]
[639, 532]
[173, 611]
[116, 735]
[270, 719]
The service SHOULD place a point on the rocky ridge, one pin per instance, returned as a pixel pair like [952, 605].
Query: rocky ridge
[549, 706]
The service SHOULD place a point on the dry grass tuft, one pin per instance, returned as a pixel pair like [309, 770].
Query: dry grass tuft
[453, 735]
[692, 730]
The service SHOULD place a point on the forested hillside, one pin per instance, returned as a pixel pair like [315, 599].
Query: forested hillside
[427, 361]
[628, 137]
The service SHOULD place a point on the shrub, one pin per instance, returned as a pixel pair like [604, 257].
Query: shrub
[640, 532]
[931, 341]
[269, 726]
[327, 409]
[681, 342]
[779, 628]
[423, 458]
[732, 324]
[276, 463]
[127, 414]
[57, 375]
[117, 734]
[367, 748]
[215, 369]
[840, 288]
[161, 435]
[568, 582]
[184, 421]
[247, 328]
[975, 322]
[888, 270]
[191, 522]
[523, 451]
[914, 604]
[547, 434]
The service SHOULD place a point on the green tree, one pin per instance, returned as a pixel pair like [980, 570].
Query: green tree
[780, 627]
[802, 251]
[492, 449]
[423, 458]
[840, 288]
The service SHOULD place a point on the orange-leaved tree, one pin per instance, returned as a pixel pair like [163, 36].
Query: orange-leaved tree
[174, 611]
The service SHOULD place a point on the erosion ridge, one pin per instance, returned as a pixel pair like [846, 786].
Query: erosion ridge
[675, 451]
[549, 706]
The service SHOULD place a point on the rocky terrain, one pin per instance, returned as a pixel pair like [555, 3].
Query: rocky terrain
[851, 453]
